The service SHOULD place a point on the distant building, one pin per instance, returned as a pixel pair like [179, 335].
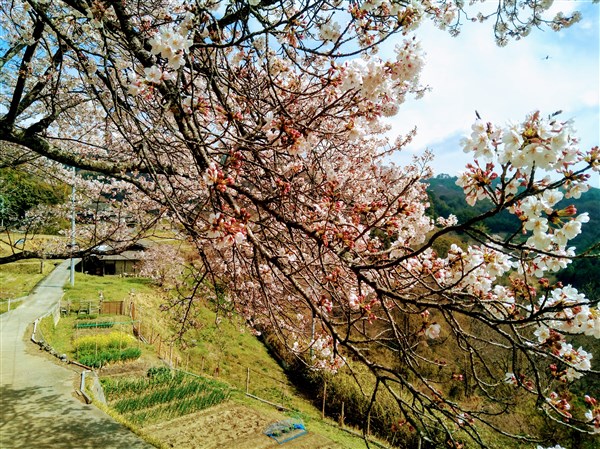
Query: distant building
[104, 262]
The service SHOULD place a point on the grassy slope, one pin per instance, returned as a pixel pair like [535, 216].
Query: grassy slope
[19, 278]
[232, 348]
[227, 345]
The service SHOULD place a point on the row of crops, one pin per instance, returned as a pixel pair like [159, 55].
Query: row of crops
[97, 350]
[163, 395]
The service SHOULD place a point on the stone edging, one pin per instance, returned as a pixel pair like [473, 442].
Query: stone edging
[63, 358]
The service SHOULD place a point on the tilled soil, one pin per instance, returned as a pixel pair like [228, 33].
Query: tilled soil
[229, 426]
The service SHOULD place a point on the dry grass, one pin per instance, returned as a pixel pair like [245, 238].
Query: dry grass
[18, 279]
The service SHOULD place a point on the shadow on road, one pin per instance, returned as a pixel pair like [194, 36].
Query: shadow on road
[26, 421]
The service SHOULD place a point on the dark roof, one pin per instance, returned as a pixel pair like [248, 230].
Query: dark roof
[125, 255]
[138, 246]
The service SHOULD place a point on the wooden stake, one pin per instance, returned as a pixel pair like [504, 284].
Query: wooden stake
[324, 399]
[342, 416]
[247, 380]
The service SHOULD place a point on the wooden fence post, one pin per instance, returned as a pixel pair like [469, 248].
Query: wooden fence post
[342, 416]
[324, 399]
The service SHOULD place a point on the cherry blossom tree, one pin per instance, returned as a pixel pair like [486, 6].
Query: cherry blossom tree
[259, 126]
[163, 263]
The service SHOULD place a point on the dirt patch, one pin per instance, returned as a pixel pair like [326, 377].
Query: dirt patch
[138, 367]
[229, 426]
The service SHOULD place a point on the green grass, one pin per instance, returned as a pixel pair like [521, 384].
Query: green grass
[101, 358]
[97, 350]
[58, 337]
[64, 336]
[233, 348]
[32, 242]
[4, 306]
[114, 288]
[18, 279]
[87, 288]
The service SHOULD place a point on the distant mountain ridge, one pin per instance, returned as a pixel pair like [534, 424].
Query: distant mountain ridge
[447, 198]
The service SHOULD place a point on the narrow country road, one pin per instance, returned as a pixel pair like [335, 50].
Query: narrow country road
[37, 404]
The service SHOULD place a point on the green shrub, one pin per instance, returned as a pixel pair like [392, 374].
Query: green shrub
[98, 360]
[98, 324]
[91, 316]
[130, 353]
[160, 374]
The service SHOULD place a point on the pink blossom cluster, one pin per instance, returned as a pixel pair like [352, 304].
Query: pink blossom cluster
[593, 413]
[171, 45]
[323, 354]
[475, 269]
[379, 82]
[227, 231]
[214, 176]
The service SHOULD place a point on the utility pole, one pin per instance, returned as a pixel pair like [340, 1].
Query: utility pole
[73, 230]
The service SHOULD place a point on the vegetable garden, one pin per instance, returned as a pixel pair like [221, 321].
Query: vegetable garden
[163, 395]
[97, 350]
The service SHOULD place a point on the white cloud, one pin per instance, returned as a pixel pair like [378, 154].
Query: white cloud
[546, 71]
[565, 6]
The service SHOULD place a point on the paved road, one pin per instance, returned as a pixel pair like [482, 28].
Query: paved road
[38, 408]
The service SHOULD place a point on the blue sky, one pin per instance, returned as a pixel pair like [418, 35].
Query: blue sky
[546, 71]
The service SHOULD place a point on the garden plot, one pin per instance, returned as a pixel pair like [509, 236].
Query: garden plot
[162, 395]
[99, 349]
[230, 426]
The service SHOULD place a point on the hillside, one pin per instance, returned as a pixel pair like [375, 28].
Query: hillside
[180, 408]
[447, 198]
[21, 191]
